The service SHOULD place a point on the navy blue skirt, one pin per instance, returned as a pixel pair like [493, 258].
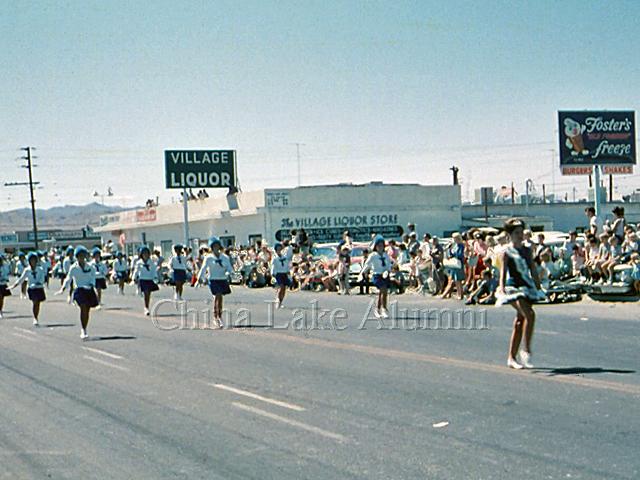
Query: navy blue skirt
[380, 282]
[122, 276]
[179, 276]
[36, 294]
[101, 283]
[148, 286]
[283, 280]
[4, 291]
[85, 297]
[219, 287]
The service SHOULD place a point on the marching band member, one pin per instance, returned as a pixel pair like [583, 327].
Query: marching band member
[132, 267]
[145, 274]
[21, 266]
[179, 267]
[101, 274]
[281, 270]
[34, 276]
[67, 263]
[379, 263]
[218, 266]
[5, 271]
[46, 263]
[121, 271]
[519, 287]
[83, 274]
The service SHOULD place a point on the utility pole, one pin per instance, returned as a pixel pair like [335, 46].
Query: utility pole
[298, 145]
[29, 166]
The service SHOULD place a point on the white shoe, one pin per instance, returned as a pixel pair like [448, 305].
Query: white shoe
[35, 322]
[511, 363]
[99, 307]
[69, 299]
[384, 313]
[525, 359]
[377, 314]
[83, 334]
[175, 296]
[146, 312]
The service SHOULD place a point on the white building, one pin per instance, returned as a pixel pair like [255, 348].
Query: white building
[323, 211]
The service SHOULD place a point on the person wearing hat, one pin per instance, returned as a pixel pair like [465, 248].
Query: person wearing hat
[281, 270]
[519, 286]
[34, 276]
[217, 268]
[121, 271]
[145, 273]
[83, 275]
[21, 266]
[5, 271]
[379, 264]
[101, 274]
[179, 268]
[68, 261]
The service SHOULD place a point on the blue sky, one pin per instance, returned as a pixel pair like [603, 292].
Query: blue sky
[392, 91]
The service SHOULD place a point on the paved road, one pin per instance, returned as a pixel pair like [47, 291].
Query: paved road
[141, 402]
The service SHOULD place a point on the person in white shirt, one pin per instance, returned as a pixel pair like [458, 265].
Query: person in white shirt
[21, 266]
[145, 273]
[46, 264]
[83, 274]
[67, 263]
[101, 274]
[379, 263]
[596, 225]
[120, 271]
[281, 270]
[217, 267]
[5, 271]
[34, 276]
[132, 267]
[179, 270]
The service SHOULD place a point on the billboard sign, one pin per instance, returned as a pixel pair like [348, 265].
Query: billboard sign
[596, 138]
[200, 168]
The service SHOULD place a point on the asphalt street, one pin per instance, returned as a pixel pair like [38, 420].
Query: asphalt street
[163, 397]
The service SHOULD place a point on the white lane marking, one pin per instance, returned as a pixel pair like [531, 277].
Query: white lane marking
[24, 330]
[288, 421]
[255, 396]
[106, 364]
[106, 354]
[31, 339]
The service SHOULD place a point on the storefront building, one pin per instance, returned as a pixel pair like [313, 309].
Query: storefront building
[324, 212]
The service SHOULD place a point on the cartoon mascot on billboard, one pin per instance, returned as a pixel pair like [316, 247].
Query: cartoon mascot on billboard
[573, 131]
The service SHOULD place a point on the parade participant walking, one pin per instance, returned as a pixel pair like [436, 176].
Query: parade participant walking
[132, 268]
[179, 267]
[379, 263]
[281, 270]
[46, 264]
[218, 268]
[83, 275]
[21, 266]
[121, 271]
[519, 286]
[66, 267]
[5, 271]
[101, 274]
[34, 276]
[145, 274]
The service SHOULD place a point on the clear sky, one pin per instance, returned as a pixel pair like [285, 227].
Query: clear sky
[394, 91]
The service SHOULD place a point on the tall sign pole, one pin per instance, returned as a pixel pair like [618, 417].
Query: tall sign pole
[185, 210]
[33, 200]
[596, 184]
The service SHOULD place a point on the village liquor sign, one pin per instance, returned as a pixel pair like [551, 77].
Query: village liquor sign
[200, 168]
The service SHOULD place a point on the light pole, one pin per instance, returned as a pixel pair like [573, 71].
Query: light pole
[29, 166]
[102, 195]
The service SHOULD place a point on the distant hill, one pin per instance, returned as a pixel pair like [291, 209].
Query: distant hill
[67, 217]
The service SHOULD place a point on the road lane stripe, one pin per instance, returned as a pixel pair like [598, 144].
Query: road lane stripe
[454, 362]
[106, 364]
[291, 422]
[255, 396]
[24, 330]
[26, 337]
[101, 352]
